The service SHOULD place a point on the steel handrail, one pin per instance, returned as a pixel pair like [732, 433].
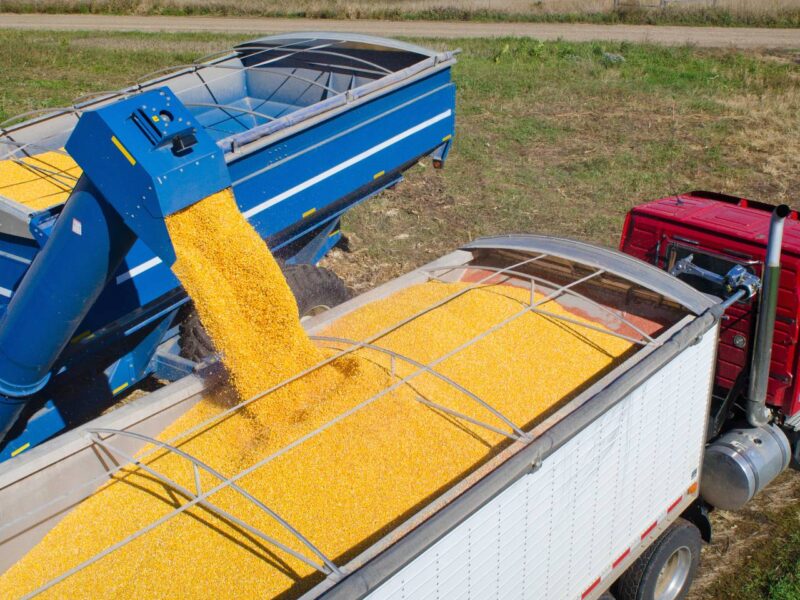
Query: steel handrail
[226, 107]
[649, 339]
[234, 51]
[288, 74]
[198, 464]
[214, 419]
[45, 173]
[518, 434]
[328, 568]
[39, 111]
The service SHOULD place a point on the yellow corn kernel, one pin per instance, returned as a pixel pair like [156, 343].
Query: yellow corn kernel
[39, 181]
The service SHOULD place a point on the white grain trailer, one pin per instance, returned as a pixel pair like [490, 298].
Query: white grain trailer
[602, 490]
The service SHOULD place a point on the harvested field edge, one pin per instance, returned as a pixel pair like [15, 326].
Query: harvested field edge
[779, 16]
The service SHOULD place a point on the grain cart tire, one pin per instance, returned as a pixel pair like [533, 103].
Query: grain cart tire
[666, 569]
[315, 289]
[193, 340]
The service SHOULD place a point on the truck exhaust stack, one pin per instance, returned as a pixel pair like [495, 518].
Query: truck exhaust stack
[742, 462]
[757, 413]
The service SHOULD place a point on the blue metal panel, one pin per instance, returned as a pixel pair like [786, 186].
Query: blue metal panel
[135, 284]
[275, 186]
[142, 159]
[134, 364]
[276, 168]
[16, 255]
[148, 158]
[41, 426]
[57, 291]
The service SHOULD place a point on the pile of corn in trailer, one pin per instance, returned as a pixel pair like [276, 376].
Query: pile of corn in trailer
[559, 509]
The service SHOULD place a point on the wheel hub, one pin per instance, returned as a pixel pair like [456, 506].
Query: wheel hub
[672, 578]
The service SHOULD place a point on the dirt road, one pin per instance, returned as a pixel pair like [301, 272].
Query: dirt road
[739, 37]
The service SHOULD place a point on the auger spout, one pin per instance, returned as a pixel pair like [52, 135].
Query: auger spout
[142, 159]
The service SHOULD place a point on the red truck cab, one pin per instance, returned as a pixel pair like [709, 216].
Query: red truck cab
[719, 232]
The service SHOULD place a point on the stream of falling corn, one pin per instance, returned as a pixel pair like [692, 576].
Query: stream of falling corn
[343, 488]
[240, 294]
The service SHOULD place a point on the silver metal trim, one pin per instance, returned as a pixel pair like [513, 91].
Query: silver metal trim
[757, 412]
[15, 219]
[622, 265]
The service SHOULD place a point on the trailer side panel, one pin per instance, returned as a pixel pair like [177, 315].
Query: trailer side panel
[569, 528]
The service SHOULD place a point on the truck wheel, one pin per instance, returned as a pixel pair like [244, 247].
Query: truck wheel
[315, 288]
[666, 569]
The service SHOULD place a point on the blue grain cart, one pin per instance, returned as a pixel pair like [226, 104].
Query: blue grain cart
[303, 126]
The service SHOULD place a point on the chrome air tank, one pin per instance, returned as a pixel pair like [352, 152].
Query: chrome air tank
[742, 462]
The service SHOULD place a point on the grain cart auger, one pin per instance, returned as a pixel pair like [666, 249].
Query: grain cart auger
[142, 160]
[303, 127]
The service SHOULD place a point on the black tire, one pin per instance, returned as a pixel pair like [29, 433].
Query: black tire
[193, 341]
[681, 542]
[314, 288]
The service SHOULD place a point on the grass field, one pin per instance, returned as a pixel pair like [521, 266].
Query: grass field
[552, 138]
[756, 552]
[764, 13]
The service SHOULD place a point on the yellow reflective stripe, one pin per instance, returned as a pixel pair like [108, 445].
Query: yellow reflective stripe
[123, 149]
[379, 174]
[309, 212]
[81, 336]
[22, 448]
[117, 390]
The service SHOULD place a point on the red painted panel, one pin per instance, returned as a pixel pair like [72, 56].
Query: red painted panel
[733, 227]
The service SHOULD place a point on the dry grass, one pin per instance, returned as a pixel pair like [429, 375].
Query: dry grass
[347, 8]
[754, 552]
[551, 140]
[700, 12]
[770, 140]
